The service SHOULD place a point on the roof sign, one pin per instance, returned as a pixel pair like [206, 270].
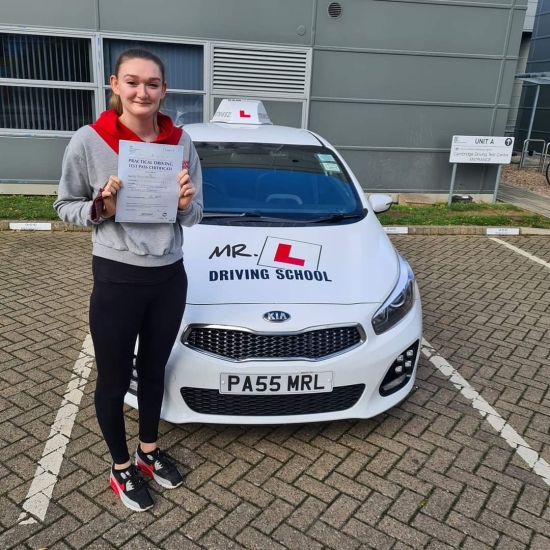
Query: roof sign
[241, 111]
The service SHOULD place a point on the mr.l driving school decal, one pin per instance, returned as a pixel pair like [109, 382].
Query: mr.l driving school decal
[291, 260]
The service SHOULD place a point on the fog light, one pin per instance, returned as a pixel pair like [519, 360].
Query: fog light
[396, 384]
[400, 372]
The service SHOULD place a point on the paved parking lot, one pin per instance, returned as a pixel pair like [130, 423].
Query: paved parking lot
[431, 473]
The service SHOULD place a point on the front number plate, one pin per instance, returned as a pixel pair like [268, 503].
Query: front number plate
[276, 383]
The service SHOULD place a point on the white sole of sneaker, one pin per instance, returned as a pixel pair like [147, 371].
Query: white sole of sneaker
[148, 471]
[128, 502]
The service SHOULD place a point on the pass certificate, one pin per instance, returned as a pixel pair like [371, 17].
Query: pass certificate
[150, 188]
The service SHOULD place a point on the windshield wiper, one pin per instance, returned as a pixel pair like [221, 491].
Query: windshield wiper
[231, 215]
[250, 216]
[335, 218]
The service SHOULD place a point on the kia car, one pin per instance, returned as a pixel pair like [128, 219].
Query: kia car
[299, 307]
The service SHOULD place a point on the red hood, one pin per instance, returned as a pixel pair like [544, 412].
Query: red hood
[111, 130]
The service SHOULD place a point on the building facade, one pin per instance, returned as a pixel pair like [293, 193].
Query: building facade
[528, 25]
[386, 81]
[538, 61]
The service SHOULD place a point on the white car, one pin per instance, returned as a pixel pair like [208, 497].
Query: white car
[299, 308]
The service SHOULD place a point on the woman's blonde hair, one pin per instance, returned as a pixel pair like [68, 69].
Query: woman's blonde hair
[135, 53]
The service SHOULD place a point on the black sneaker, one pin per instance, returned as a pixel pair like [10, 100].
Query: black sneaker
[160, 466]
[131, 489]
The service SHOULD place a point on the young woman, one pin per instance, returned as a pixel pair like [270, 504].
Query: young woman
[140, 285]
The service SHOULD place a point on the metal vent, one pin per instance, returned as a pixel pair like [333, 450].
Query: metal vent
[335, 10]
[234, 344]
[259, 70]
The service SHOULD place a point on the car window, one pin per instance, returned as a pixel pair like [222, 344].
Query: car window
[294, 181]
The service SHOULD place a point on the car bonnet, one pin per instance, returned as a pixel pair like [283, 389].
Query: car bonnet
[338, 264]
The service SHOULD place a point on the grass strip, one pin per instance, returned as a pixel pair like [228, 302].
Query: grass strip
[23, 207]
[27, 208]
[488, 215]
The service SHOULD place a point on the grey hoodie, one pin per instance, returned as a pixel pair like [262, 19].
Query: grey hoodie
[87, 165]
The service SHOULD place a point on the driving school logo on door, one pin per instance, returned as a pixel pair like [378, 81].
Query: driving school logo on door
[291, 260]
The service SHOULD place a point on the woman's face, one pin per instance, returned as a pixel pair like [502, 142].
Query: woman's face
[140, 87]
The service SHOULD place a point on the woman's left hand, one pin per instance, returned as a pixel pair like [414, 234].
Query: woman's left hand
[187, 190]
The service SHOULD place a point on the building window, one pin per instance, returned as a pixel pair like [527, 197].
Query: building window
[184, 64]
[46, 82]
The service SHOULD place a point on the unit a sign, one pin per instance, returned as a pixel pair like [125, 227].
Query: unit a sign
[481, 150]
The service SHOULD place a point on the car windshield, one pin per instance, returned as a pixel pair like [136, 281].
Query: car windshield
[297, 183]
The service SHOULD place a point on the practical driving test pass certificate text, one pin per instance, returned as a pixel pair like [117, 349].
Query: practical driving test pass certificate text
[150, 188]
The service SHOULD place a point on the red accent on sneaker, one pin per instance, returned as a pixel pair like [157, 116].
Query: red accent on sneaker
[116, 486]
[145, 468]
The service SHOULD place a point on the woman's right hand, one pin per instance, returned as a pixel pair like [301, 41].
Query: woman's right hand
[109, 196]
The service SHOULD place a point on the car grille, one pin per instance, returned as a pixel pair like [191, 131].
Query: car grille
[213, 402]
[240, 345]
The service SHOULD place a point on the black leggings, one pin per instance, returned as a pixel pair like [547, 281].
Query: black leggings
[118, 314]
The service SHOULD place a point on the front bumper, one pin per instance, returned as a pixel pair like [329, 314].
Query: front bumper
[360, 370]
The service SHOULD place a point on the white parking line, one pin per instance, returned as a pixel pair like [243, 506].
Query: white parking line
[40, 492]
[522, 252]
[530, 456]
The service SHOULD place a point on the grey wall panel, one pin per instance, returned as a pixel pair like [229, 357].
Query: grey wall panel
[543, 28]
[518, 19]
[37, 159]
[410, 26]
[540, 50]
[77, 14]
[283, 113]
[380, 172]
[247, 20]
[510, 68]
[538, 66]
[499, 2]
[386, 125]
[500, 122]
[404, 77]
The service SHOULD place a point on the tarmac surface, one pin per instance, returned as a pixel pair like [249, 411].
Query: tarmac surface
[439, 471]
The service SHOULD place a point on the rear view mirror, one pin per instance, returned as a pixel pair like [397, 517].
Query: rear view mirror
[380, 203]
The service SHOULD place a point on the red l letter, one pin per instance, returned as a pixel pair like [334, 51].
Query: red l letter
[283, 255]
[242, 114]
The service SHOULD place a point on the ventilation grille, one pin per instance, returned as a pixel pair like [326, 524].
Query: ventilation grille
[206, 401]
[259, 70]
[335, 10]
[239, 345]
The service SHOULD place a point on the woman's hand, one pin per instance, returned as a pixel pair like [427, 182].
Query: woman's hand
[187, 190]
[109, 196]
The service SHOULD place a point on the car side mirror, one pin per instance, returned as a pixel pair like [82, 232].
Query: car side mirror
[380, 203]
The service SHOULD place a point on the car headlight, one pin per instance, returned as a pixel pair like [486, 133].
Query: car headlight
[399, 302]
